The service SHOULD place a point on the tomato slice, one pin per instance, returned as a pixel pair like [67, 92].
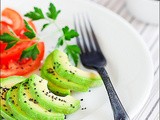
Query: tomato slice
[20, 32]
[15, 17]
[2, 46]
[3, 27]
[15, 52]
[14, 20]
[17, 68]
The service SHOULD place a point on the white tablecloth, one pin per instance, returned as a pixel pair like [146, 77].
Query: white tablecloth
[150, 33]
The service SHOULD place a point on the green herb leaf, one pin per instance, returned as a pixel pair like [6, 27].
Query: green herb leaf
[30, 52]
[53, 13]
[60, 42]
[30, 32]
[9, 39]
[69, 33]
[73, 52]
[36, 14]
[5, 37]
[11, 44]
[44, 26]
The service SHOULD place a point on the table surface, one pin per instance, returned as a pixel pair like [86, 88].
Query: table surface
[150, 34]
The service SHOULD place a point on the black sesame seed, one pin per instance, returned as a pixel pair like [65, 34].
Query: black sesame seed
[12, 101]
[84, 108]
[4, 105]
[81, 99]
[30, 99]
[49, 110]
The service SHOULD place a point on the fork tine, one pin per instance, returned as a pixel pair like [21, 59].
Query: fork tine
[94, 36]
[82, 35]
[77, 38]
[88, 35]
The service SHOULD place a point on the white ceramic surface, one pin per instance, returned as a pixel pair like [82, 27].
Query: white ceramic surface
[145, 10]
[129, 62]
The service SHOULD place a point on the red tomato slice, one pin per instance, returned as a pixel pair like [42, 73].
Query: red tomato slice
[16, 68]
[3, 27]
[15, 17]
[15, 52]
[20, 32]
[2, 46]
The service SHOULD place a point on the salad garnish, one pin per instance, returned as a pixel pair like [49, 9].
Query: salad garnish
[67, 34]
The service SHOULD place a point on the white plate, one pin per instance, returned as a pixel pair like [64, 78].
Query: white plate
[129, 63]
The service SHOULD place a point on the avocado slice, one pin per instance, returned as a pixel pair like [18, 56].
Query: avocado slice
[58, 90]
[5, 85]
[13, 103]
[48, 73]
[50, 101]
[64, 68]
[31, 106]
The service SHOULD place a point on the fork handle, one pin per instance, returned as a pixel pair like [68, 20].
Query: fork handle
[117, 107]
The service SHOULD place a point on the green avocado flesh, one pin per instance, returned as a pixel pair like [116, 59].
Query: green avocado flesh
[58, 90]
[13, 103]
[64, 69]
[48, 72]
[31, 106]
[50, 101]
[6, 84]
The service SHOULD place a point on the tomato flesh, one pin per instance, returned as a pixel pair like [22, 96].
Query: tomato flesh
[20, 32]
[15, 17]
[14, 53]
[16, 68]
[4, 27]
[2, 46]
[10, 63]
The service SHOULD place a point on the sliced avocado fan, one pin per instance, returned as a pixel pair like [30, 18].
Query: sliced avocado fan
[48, 72]
[39, 90]
[64, 68]
[13, 103]
[31, 106]
[5, 85]
[58, 90]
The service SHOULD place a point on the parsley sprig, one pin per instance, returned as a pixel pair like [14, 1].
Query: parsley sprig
[72, 51]
[67, 34]
[50, 16]
[31, 51]
[30, 33]
[11, 39]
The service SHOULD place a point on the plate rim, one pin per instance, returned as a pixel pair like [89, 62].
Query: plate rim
[133, 30]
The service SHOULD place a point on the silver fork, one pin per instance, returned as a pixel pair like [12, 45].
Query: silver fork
[92, 57]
